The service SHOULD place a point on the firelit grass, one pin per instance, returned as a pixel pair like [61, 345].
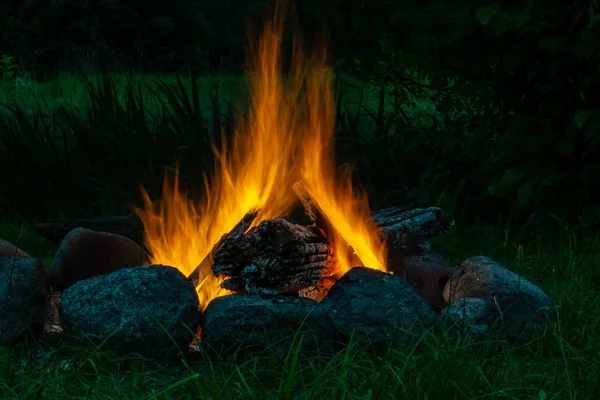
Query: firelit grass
[563, 363]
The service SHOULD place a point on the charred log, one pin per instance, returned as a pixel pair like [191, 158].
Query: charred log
[407, 228]
[236, 232]
[311, 208]
[276, 257]
[400, 227]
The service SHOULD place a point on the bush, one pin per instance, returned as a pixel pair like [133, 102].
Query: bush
[489, 110]
[516, 92]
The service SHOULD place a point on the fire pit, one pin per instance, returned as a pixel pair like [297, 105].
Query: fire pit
[257, 277]
[235, 239]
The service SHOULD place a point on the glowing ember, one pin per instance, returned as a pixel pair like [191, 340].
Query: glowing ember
[285, 138]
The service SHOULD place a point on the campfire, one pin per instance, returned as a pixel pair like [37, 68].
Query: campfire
[234, 267]
[282, 153]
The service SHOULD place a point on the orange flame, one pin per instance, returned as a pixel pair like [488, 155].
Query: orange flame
[347, 212]
[285, 137]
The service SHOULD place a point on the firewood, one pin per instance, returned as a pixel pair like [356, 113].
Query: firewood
[311, 208]
[400, 227]
[236, 232]
[276, 257]
[408, 228]
[314, 212]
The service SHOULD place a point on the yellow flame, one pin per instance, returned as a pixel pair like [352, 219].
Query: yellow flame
[285, 137]
[347, 211]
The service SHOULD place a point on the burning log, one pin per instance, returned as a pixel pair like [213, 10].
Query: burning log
[311, 208]
[400, 227]
[276, 257]
[235, 233]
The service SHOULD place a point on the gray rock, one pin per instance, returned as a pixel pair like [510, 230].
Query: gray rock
[84, 253]
[377, 307]
[24, 286]
[148, 310]
[471, 316]
[249, 320]
[522, 307]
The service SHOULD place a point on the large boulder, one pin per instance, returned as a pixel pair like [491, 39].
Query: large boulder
[84, 253]
[470, 317]
[377, 307]
[151, 310]
[522, 307]
[24, 286]
[250, 320]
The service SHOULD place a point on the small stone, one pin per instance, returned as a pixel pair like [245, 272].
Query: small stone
[85, 253]
[377, 307]
[151, 310]
[51, 316]
[523, 307]
[52, 332]
[24, 288]
[250, 320]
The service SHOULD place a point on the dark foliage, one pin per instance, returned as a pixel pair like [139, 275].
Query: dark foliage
[516, 88]
[514, 136]
[48, 36]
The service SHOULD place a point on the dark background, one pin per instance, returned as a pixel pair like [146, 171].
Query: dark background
[514, 140]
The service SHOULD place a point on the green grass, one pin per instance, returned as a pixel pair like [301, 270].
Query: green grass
[564, 363]
[70, 91]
